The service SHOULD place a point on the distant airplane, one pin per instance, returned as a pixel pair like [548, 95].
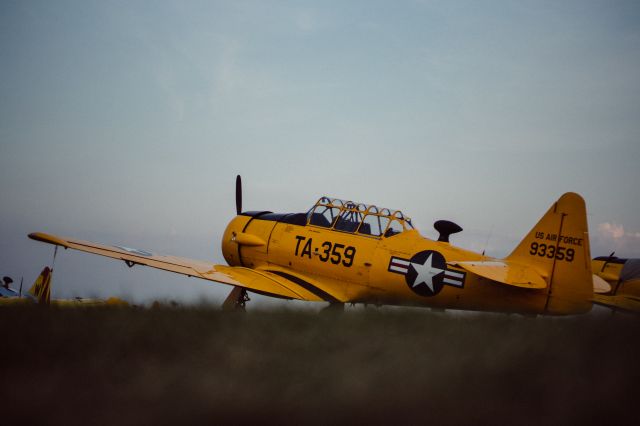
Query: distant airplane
[7, 294]
[623, 278]
[40, 293]
[346, 252]
[41, 288]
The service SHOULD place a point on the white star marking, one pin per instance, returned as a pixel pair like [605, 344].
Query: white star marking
[426, 272]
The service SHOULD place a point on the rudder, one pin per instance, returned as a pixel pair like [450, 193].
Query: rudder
[41, 288]
[558, 248]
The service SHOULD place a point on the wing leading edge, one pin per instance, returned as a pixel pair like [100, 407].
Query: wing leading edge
[257, 281]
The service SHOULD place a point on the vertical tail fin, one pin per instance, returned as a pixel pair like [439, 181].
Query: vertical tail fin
[41, 288]
[558, 247]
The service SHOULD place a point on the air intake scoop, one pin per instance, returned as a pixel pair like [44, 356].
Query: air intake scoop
[446, 228]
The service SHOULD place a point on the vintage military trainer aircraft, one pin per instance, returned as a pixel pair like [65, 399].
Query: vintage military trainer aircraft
[622, 278]
[346, 252]
[40, 293]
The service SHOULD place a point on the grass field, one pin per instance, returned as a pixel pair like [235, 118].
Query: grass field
[201, 365]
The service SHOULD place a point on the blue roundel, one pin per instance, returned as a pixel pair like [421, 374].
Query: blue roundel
[426, 272]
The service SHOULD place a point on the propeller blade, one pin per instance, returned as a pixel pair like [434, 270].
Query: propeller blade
[238, 194]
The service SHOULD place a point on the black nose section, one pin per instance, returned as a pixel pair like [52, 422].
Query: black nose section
[446, 228]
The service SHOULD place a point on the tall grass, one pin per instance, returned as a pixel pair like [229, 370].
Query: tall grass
[201, 365]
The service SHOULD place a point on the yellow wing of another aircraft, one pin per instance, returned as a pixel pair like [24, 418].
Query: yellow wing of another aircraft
[257, 281]
[626, 303]
[41, 293]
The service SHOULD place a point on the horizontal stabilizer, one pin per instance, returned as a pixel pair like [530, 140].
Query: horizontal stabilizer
[505, 272]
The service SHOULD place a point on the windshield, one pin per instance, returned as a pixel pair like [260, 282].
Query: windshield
[360, 218]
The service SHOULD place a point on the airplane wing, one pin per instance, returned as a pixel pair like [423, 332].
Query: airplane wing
[626, 303]
[314, 284]
[261, 282]
[504, 272]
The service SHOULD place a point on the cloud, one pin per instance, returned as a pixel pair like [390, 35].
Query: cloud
[611, 230]
[610, 236]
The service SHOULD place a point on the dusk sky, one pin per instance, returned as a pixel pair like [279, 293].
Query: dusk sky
[126, 123]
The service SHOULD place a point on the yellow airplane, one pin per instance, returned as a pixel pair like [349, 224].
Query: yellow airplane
[346, 252]
[623, 278]
[40, 293]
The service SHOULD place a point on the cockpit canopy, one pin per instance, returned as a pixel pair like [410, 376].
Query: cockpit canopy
[358, 218]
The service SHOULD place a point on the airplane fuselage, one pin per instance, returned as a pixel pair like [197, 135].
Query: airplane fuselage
[403, 269]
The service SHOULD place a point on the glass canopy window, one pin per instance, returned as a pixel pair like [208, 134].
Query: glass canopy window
[358, 218]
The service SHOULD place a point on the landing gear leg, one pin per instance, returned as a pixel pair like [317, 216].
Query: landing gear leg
[236, 300]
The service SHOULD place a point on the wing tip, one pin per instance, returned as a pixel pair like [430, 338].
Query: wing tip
[47, 238]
